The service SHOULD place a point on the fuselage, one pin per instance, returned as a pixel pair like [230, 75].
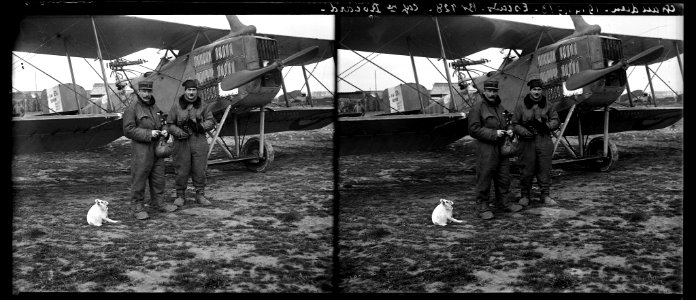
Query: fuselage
[554, 63]
[213, 62]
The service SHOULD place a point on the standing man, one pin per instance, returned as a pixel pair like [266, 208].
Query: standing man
[143, 125]
[533, 120]
[487, 126]
[188, 121]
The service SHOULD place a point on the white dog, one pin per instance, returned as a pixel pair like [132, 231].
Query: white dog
[99, 213]
[443, 213]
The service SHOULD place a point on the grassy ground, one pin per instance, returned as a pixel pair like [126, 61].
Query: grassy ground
[265, 232]
[620, 231]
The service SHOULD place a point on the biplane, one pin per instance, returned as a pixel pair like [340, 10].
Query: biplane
[583, 71]
[239, 71]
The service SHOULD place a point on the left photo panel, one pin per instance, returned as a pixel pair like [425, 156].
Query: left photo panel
[173, 153]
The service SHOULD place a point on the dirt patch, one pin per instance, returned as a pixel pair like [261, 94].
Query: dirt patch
[619, 231]
[265, 232]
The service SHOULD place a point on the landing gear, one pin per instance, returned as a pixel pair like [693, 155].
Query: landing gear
[603, 163]
[593, 152]
[249, 152]
[251, 148]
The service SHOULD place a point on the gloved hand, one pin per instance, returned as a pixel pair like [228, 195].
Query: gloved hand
[524, 132]
[541, 127]
[164, 133]
[533, 126]
[190, 126]
[154, 134]
[199, 125]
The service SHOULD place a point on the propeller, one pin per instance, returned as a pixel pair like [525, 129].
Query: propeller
[586, 77]
[240, 78]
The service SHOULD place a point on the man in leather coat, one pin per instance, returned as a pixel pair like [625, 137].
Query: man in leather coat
[533, 121]
[143, 125]
[189, 119]
[487, 125]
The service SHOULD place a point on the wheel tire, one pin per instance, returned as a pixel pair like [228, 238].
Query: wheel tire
[595, 147]
[251, 147]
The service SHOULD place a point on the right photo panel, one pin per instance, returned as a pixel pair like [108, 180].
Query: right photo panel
[515, 153]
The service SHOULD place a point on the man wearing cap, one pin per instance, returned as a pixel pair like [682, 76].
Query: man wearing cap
[487, 126]
[533, 121]
[188, 121]
[142, 124]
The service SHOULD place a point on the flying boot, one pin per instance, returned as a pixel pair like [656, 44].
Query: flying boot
[180, 198]
[485, 212]
[524, 201]
[201, 198]
[159, 205]
[546, 199]
[139, 211]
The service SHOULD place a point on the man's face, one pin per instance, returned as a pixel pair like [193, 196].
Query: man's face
[191, 93]
[490, 93]
[145, 94]
[536, 92]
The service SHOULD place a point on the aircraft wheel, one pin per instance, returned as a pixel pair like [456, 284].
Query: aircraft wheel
[595, 148]
[251, 147]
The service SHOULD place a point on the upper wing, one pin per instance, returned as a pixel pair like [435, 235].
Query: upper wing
[461, 35]
[123, 35]
[466, 35]
[119, 35]
[288, 45]
[633, 45]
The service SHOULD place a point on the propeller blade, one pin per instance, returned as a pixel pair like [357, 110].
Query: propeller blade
[240, 78]
[301, 56]
[586, 77]
[646, 56]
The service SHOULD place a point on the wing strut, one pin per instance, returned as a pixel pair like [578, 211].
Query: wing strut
[652, 91]
[101, 64]
[72, 76]
[676, 47]
[285, 93]
[309, 92]
[444, 61]
[415, 74]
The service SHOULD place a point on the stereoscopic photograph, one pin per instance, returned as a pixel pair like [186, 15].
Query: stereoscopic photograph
[321, 151]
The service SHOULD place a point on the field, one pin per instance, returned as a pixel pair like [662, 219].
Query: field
[265, 232]
[619, 231]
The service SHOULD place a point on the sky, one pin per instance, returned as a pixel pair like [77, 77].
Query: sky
[370, 77]
[321, 27]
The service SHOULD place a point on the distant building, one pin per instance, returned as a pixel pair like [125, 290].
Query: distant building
[441, 92]
[640, 96]
[99, 102]
[372, 101]
[30, 101]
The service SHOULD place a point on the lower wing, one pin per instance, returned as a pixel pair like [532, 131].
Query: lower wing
[58, 133]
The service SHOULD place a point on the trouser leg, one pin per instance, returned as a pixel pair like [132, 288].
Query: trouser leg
[199, 162]
[527, 163]
[182, 164]
[544, 156]
[502, 182]
[485, 167]
[140, 170]
[157, 181]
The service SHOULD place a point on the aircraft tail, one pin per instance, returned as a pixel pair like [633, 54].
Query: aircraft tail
[237, 28]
